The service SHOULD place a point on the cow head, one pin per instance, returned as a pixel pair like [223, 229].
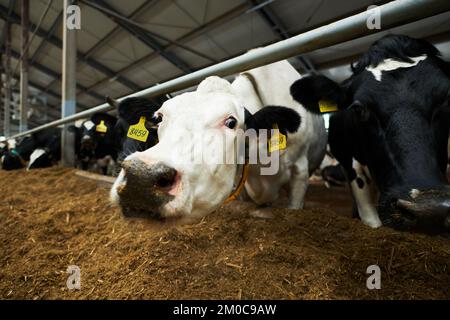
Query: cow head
[17, 156]
[392, 115]
[136, 129]
[185, 174]
[94, 133]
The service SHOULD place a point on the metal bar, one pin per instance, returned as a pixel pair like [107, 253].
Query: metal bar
[280, 30]
[393, 14]
[68, 89]
[7, 105]
[25, 12]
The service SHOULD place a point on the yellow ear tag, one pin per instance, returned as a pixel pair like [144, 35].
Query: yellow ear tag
[327, 106]
[277, 141]
[138, 131]
[101, 127]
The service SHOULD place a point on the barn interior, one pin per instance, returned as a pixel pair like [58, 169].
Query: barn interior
[57, 217]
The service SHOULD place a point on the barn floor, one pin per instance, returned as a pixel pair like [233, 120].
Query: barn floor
[51, 219]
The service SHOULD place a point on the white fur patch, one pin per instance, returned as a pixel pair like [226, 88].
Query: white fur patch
[213, 85]
[391, 64]
[89, 125]
[11, 144]
[35, 155]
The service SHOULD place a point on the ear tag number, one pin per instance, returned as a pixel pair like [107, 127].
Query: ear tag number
[277, 141]
[138, 131]
[101, 127]
[327, 106]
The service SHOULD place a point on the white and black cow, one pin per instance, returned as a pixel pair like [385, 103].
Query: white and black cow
[95, 142]
[40, 150]
[164, 182]
[390, 132]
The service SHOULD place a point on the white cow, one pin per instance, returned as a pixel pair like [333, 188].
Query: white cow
[163, 182]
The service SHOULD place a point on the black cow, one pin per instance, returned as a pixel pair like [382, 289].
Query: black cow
[132, 112]
[95, 141]
[391, 131]
[42, 149]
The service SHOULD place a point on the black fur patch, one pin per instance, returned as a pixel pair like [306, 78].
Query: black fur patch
[288, 120]
[397, 47]
[310, 90]
[131, 109]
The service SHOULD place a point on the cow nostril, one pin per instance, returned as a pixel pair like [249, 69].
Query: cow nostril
[164, 182]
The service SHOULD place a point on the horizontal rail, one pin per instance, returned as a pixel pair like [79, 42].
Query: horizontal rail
[393, 14]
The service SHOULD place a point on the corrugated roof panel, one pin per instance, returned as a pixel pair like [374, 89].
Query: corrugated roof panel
[217, 8]
[39, 77]
[51, 57]
[94, 27]
[155, 70]
[126, 10]
[167, 19]
[243, 33]
[114, 89]
[37, 8]
[299, 15]
[87, 75]
[124, 49]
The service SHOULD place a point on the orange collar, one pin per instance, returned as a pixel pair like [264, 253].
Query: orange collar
[240, 186]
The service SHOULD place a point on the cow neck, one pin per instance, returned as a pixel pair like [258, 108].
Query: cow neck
[255, 86]
[245, 168]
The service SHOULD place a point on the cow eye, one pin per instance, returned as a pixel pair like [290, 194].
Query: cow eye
[157, 118]
[231, 122]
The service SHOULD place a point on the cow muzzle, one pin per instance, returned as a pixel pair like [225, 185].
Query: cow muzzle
[430, 208]
[146, 188]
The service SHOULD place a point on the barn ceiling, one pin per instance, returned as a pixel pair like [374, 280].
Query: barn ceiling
[125, 46]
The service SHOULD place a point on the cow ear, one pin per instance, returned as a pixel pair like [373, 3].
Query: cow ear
[286, 119]
[318, 94]
[102, 116]
[131, 109]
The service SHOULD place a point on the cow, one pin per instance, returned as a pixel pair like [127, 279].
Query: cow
[389, 129]
[39, 150]
[134, 112]
[164, 183]
[96, 142]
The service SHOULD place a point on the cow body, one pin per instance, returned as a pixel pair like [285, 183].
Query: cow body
[40, 150]
[96, 144]
[175, 187]
[390, 134]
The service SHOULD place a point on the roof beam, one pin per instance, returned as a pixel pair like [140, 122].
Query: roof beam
[56, 75]
[141, 34]
[117, 29]
[14, 18]
[213, 24]
[277, 26]
[43, 43]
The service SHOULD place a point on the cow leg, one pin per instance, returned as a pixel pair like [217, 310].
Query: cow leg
[363, 192]
[298, 184]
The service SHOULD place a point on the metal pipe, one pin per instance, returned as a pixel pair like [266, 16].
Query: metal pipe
[68, 88]
[393, 14]
[8, 79]
[24, 67]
